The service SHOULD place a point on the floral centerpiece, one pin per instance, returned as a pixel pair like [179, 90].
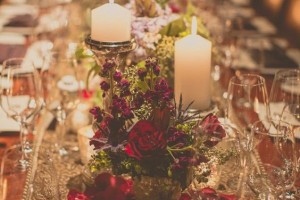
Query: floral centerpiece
[146, 146]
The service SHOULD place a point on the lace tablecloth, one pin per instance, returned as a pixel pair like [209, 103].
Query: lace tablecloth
[49, 172]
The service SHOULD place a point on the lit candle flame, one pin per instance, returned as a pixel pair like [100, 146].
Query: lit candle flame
[194, 25]
[111, 1]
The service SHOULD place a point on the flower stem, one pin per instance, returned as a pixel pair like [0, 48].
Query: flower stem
[111, 82]
[182, 149]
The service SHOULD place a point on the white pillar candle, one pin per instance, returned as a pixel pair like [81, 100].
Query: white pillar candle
[111, 23]
[192, 70]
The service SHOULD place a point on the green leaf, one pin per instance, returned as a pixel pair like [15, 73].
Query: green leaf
[141, 64]
[95, 69]
[142, 85]
[174, 28]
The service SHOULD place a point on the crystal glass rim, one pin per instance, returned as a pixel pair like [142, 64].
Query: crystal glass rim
[286, 73]
[17, 59]
[270, 122]
[235, 80]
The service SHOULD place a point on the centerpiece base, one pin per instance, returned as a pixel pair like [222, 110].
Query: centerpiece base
[110, 49]
[156, 188]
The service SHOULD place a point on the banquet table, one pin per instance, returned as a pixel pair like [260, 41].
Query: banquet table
[47, 178]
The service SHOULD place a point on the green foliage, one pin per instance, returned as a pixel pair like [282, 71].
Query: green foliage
[146, 8]
[174, 28]
[99, 161]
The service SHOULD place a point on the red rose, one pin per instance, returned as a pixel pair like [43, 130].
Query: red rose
[145, 141]
[228, 197]
[185, 196]
[108, 187]
[75, 195]
[212, 128]
[209, 193]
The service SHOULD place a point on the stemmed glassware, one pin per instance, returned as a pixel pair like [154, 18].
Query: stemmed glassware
[285, 103]
[285, 97]
[21, 98]
[276, 166]
[247, 100]
[62, 92]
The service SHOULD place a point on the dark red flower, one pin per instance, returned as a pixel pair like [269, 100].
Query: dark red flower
[108, 64]
[185, 196]
[208, 194]
[117, 76]
[104, 86]
[228, 197]
[150, 62]
[124, 84]
[127, 114]
[213, 129]
[162, 85]
[108, 187]
[156, 70]
[177, 137]
[97, 113]
[142, 74]
[183, 161]
[138, 100]
[145, 141]
[98, 140]
[120, 105]
[75, 195]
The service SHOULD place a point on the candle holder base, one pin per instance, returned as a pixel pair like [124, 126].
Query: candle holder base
[110, 49]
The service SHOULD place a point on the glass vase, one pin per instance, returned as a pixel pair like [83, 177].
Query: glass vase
[156, 188]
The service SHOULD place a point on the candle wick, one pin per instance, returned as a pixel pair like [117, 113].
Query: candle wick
[194, 25]
[111, 1]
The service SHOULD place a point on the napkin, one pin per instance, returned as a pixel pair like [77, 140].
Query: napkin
[10, 51]
[7, 124]
[11, 45]
[18, 9]
[24, 20]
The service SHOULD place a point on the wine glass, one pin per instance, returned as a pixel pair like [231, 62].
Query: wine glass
[247, 100]
[21, 98]
[276, 161]
[62, 92]
[285, 103]
[285, 96]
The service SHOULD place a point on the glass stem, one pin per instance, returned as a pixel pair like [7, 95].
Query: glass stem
[61, 118]
[23, 141]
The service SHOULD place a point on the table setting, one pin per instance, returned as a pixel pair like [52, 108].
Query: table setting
[146, 99]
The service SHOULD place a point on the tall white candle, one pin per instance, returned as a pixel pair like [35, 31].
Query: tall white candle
[192, 70]
[111, 23]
